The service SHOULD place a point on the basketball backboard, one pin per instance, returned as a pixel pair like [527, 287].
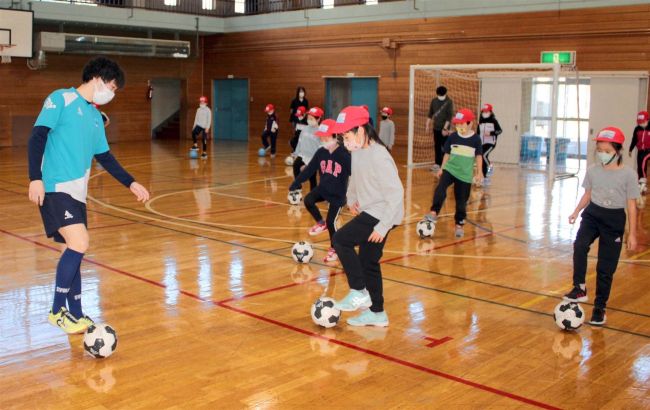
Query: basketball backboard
[17, 29]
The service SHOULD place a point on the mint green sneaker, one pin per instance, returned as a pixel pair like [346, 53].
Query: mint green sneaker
[354, 300]
[369, 318]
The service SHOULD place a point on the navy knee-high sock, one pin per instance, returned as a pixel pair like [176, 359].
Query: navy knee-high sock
[74, 296]
[65, 273]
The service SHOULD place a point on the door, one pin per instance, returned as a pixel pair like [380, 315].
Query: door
[505, 96]
[231, 109]
[341, 92]
[364, 92]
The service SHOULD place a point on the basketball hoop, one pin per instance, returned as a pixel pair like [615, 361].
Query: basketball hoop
[4, 53]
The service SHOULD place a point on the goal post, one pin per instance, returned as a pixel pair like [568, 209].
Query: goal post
[525, 99]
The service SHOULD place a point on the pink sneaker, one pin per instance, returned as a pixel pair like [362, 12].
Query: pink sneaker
[331, 256]
[317, 229]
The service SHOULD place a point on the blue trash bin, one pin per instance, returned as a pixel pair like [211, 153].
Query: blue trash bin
[531, 148]
[561, 149]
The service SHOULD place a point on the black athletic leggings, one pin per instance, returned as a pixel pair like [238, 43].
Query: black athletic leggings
[461, 191]
[297, 164]
[265, 140]
[315, 197]
[487, 150]
[200, 130]
[609, 226]
[363, 270]
[438, 143]
[640, 154]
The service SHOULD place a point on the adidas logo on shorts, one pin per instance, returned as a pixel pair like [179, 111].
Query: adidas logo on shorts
[67, 215]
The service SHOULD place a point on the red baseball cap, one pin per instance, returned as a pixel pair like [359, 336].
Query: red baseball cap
[463, 115]
[351, 117]
[315, 112]
[387, 110]
[300, 111]
[325, 128]
[269, 108]
[203, 99]
[486, 107]
[642, 116]
[611, 134]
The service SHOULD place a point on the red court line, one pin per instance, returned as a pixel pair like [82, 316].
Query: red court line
[393, 359]
[351, 346]
[458, 242]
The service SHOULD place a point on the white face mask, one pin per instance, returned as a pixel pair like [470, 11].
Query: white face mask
[643, 124]
[329, 144]
[442, 97]
[301, 95]
[352, 144]
[606, 158]
[203, 105]
[462, 130]
[312, 122]
[485, 114]
[102, 94]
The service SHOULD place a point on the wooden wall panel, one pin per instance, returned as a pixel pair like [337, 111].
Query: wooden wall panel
[276, 61]
[24, 91]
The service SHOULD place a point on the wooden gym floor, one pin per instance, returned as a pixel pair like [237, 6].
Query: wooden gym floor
[211, 312]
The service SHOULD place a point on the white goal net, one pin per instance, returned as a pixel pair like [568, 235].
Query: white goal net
[538, 106]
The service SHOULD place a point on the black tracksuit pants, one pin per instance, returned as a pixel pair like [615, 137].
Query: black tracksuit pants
[461, 191]
[363, 270]
[315, 197]
[609, 226]
[297, 164]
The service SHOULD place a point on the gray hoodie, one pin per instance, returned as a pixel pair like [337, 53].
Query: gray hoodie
[376, 186]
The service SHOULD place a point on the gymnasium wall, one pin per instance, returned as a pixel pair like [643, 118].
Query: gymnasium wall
[276, 61]
[22, 92]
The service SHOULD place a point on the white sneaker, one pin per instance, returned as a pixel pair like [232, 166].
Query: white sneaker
[354, 300]
[435, 168]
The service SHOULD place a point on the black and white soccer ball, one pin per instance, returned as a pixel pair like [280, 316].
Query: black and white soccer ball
[100, 341]
[425, 228]
[323, 312]
[288, 161]
[294, 197]
[568, 315]
[302, 252]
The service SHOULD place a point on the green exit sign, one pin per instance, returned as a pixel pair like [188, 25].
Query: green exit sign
[559, 57]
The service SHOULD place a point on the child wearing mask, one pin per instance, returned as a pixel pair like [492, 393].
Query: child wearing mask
[387, 128]
[610, 187]
[641, 141]
[308, 144]
[489, 129]
[202, 122]
[270, 130]
[332, 161]
[463, 149]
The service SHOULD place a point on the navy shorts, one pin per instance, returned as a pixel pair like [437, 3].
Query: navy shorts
[60, 209]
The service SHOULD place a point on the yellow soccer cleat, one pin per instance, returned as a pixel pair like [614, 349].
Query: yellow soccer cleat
[66, 322]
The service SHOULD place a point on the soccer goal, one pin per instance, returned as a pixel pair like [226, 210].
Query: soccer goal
[538, 106]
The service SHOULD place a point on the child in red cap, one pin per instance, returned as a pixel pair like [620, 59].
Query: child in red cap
[387, 128]
[641, 141]
[308, 144]
[489, 130]
[332, 162]
[376, 197]
[300, 123]
[610, 187]
[270, 130]
[463, 149]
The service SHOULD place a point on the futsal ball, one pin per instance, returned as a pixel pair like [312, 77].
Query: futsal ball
[194, 153]
[425, 228]
[288, 160]
[323, 312]
[261, 152]
[302, 252]
[294, 197]
[100, 341]
[568, 315]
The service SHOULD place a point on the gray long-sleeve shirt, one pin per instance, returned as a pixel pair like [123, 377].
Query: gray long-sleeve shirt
[376, 186]
[387, 132]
